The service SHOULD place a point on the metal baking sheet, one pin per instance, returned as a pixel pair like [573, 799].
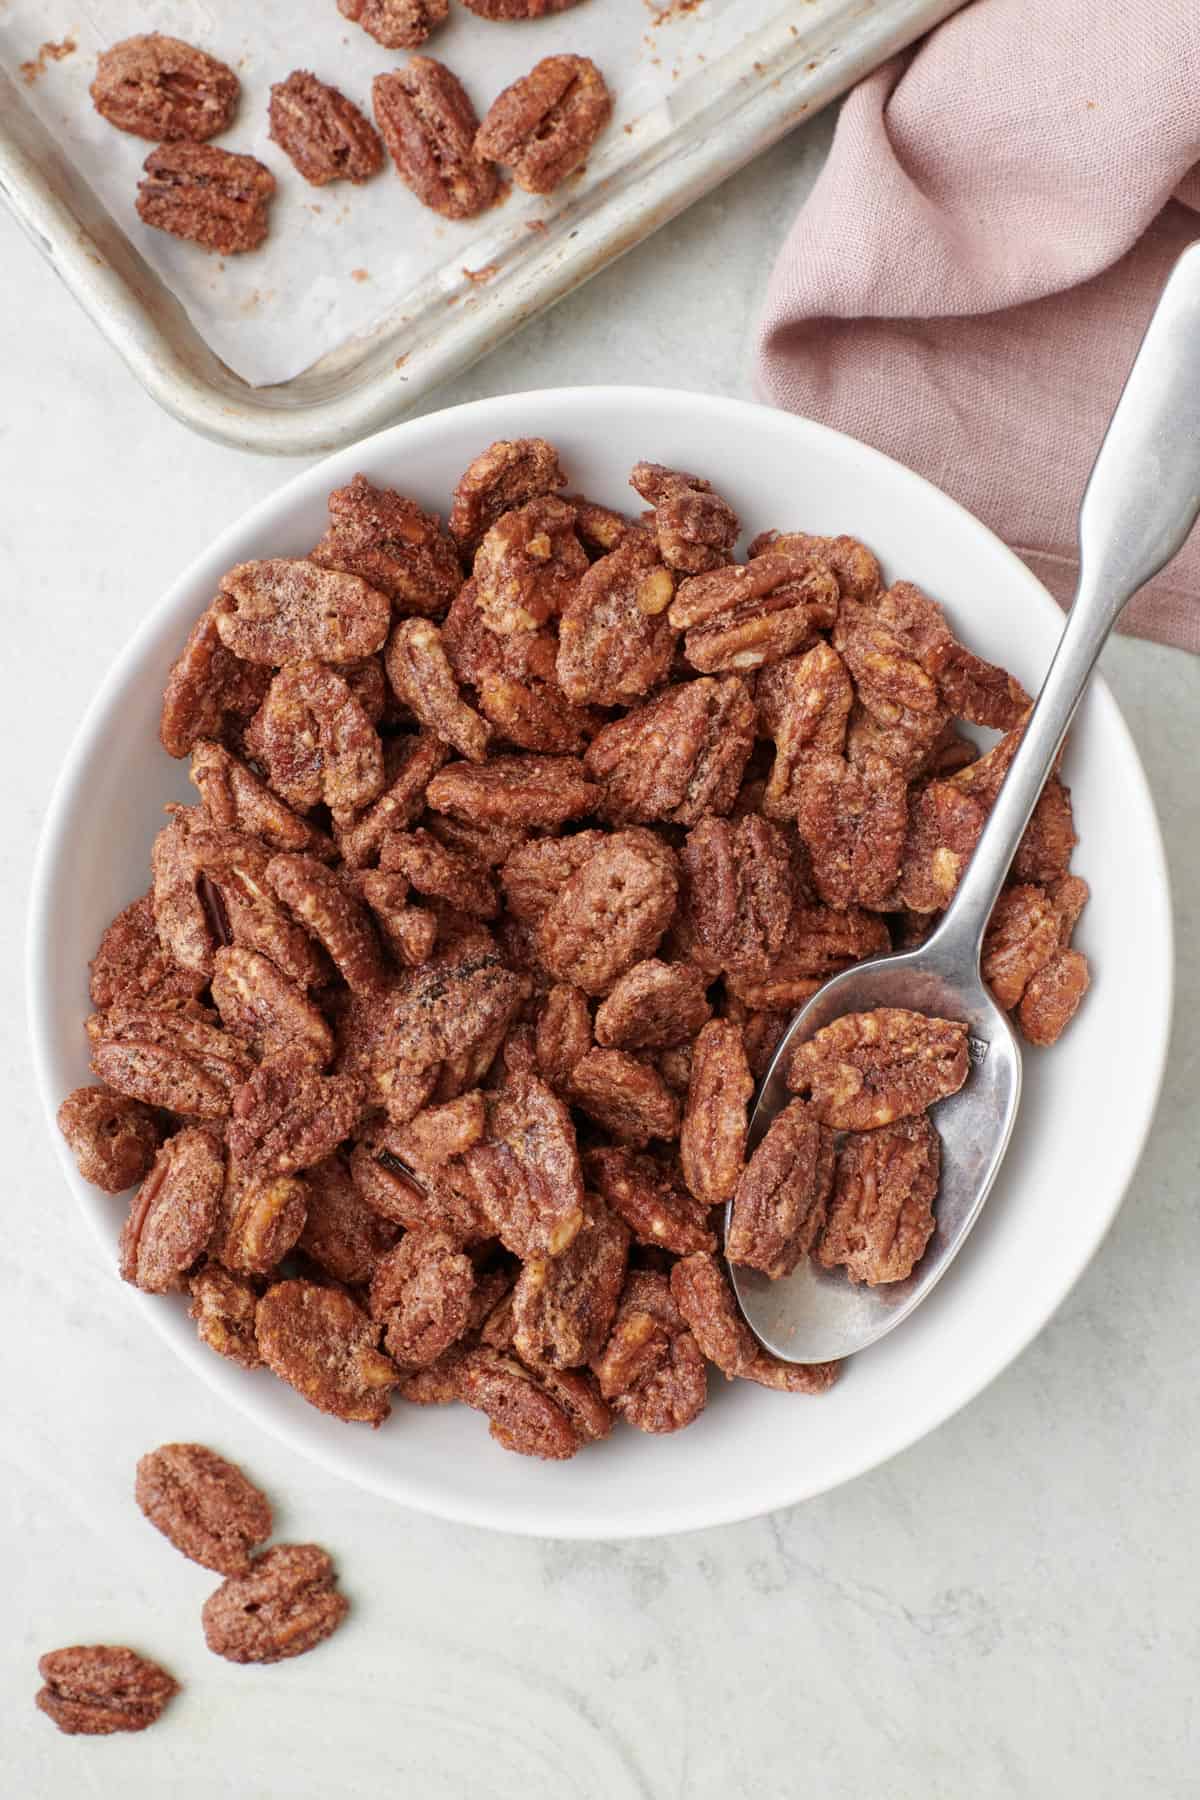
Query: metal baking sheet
[702, 85]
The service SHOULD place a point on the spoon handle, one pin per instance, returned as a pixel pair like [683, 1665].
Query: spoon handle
[1141, 501]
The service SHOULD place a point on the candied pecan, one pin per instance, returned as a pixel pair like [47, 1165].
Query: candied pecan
[675, 1066]
[417, 1175]
[342, 1234]
[410, 932]
[563, 1306]
[696, 529]
[488, 845]
[611, 912]
[804, 703]
[533, 715]
[523, 1416]
[327, 909]
[909, 740]
[203, 1505]
[615, 640]
[712, 1138]
[517, 9]
[482, 656]
[433, 869]
[675, 757]
[599, 528]
[421, 1292]
[288, 1115]
[543, 126]
[322, 132]
[737, 892]
[856, 569]
[526, 1169]
[761, 1032]
[393, 544]
[1044, 852]
[643, 1193]
[867, 1069]
[454, 1010]
[1052, 997]
[853, 821]
[396, 24]
[705, 1299]
[528, 565]
[262, 1007]
[651, 1370]
[285, 1604]
[508, 474]
[746, 614]
[881, 1213]
[514, 791]
[264, 1216]
[236, 800]
[209, 692]
[564, 1035]
[215, 198]
[132, 967]
[577, 1392]
[174, 1212]
[535, 873]
[223, 1306]
[1023, 933]
[93, 1690]
[113, 1140]
[652, 1005]
[626, 1095]
[287, 609]
[166, 1059]
[780, 1201]
[323, 1345]
[438, 1384]
[409, 765]
[429, 126]
[791, 1378]
[420, 674]
[160, 88]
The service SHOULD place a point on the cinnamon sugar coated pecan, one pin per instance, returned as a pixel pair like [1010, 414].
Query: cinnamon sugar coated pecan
[322, 132]
[204, 1505]
[161, 88]
[517, 9]
[543, 126]
[285, 1604]
[429, 126]
[93, 1690]
[429, 1054]
[396, 24]
[215, 198]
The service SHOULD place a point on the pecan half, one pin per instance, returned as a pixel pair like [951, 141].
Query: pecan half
[804, 703]
[288, 1115]
[737, 893]
[528, 565]
[615, 640]
[651, 1370]
[286, 1604]
[174, 1212]
[535, 873]
[214, 198]
[429, 126]
[508, 474]
[264, 1217]
[210, 693]
[161, 88]
[393, 544]
[526, 1170]
[563, 1306]
[869, 1069]
[675, 757]
[396, 24]
[563, 1036]
[544, 125]
[286, 609]
[791, 1378]
[524, 1417]
[652, 1005]
[421, 1292]
[223, 1306]
[421, 676]
[203, 1505]
[1053, 997]
[431, 868]
[236, 800]
[853, 821]
[780, 1201]
[881, 1214]
[326, 908]
[409, 765]
[611, 913]
[696, 529]
[712, 1138]
[514, 791]
[258, 1004]
[323, 1345]
[517, 9]
[170, 1060]
[342, 1234]
[93, 1690]
[704, 1298]
[131, 966]
[748, 614]
[113, 1140]
[641, 1191]
[322, 132]
[626, 1095]
[409, 932]
[855, 567]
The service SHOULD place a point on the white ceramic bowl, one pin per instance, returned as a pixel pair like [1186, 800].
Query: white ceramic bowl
[1088, 1103]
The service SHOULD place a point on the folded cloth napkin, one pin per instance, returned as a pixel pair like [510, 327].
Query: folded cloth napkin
[967, 283]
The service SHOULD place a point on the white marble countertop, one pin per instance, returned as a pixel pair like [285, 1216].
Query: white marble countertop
[1008, 1610]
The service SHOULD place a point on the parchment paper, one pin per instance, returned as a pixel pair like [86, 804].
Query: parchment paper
[340, 259]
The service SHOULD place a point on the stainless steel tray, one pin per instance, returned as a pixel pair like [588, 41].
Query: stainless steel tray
[781, 74]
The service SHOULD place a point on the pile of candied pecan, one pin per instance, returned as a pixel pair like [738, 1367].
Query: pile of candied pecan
[541, 127]
[516, 845]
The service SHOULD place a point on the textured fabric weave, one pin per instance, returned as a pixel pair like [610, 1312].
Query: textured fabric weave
[966, 285]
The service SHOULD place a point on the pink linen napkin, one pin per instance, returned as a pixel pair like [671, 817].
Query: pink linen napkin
[967, 283]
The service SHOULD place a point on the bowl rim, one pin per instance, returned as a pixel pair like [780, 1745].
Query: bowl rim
[677, 1513]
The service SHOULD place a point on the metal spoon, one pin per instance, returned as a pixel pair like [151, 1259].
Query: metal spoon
[1141, 501]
